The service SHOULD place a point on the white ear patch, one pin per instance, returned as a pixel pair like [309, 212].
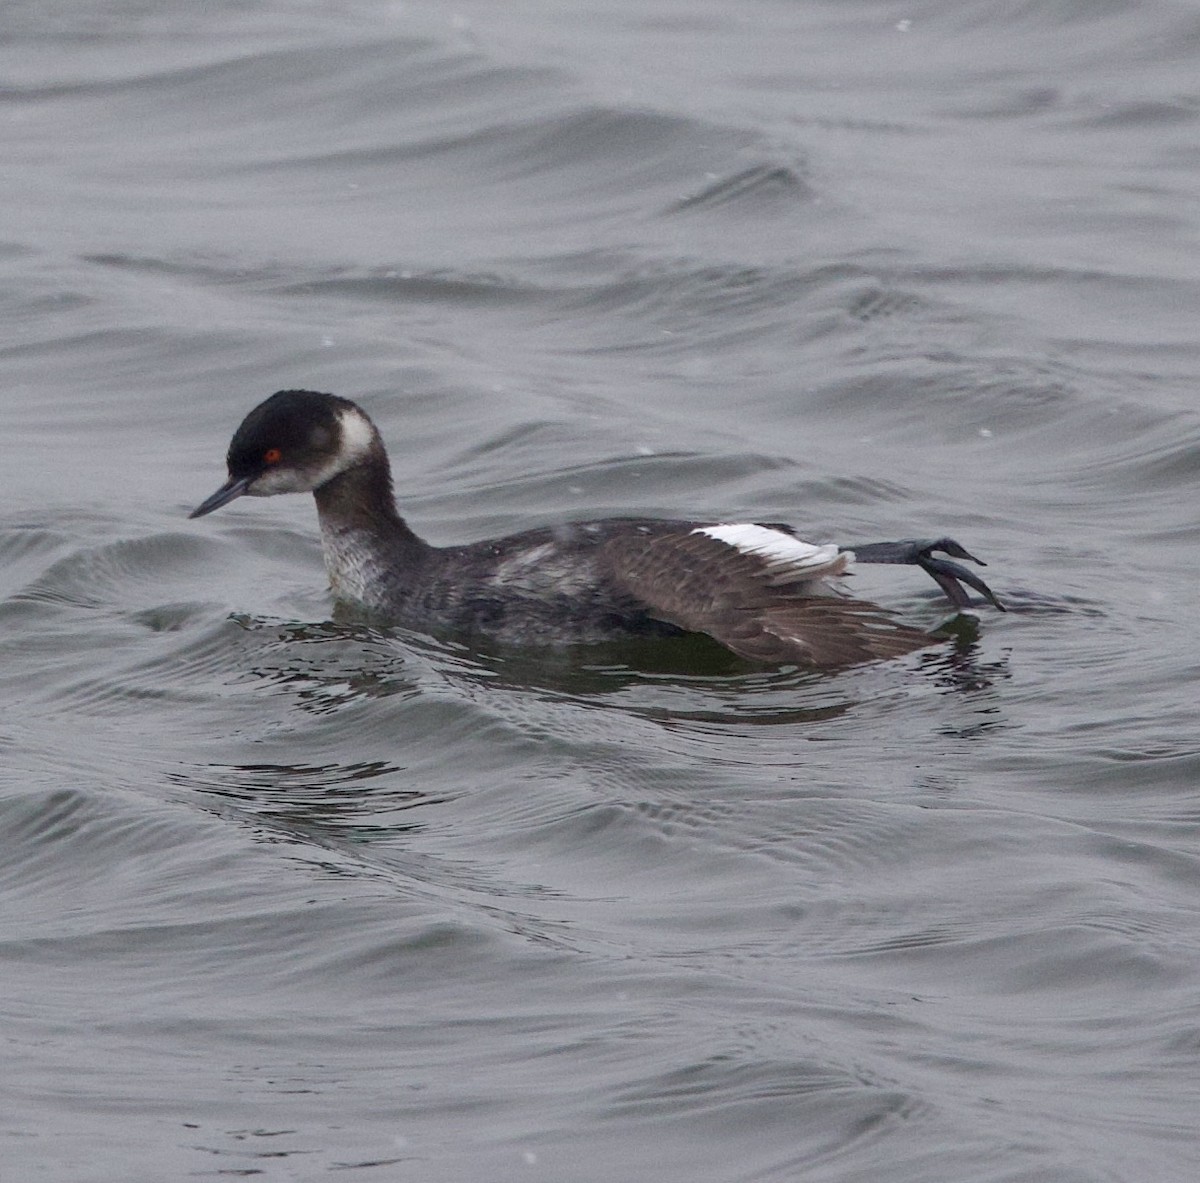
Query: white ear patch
[785, 555]
[357, 436]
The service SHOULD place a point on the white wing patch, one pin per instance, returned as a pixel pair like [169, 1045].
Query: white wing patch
[787, 558]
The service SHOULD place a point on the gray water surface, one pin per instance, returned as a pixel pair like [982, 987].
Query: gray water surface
[284, 898]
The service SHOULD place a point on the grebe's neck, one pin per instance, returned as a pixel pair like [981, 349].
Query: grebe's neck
[367, 544]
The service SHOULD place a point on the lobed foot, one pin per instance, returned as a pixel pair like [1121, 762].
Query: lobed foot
[948, 575]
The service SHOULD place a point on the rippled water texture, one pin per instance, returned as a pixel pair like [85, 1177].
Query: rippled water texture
[283, 897]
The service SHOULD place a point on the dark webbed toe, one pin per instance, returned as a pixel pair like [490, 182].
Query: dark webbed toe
[950, 577]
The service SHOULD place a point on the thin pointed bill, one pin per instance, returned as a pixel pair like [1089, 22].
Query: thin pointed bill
[230, 490]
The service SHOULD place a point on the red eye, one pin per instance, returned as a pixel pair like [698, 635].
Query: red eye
[272, 456]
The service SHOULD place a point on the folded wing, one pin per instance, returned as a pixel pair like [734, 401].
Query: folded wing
[759, 591]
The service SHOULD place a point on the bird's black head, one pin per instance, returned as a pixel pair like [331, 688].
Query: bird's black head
[294, 442]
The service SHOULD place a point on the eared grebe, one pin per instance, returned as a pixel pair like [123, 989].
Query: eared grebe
[757, 589]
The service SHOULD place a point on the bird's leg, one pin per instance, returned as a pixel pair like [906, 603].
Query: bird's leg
[948, 575]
